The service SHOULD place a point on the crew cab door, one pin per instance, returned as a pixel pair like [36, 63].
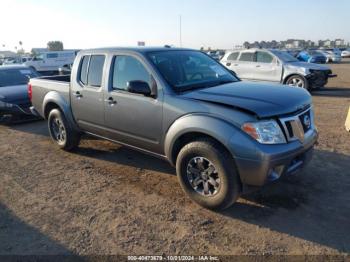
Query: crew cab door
[267, 67]
[130, 118]
[245, 66]
[87, 97]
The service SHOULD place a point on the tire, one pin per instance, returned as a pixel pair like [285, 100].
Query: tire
[61, 132]
[225, 175]
[297, 81]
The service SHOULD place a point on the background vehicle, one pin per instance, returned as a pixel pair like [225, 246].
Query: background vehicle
[214, 54]
[183, 106]
[51, 61]
[17, 60]
[345, 53]
[14, 99]
[312, 56]
[65, 70]
[276, 66]
[331, 57]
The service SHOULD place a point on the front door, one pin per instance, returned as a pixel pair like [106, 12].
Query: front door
[87, 98]
[267, 67]
[130, 118]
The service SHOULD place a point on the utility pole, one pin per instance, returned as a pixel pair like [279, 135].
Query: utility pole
[180, 31]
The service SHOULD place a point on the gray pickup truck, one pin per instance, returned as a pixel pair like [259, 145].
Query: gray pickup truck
[222, 134]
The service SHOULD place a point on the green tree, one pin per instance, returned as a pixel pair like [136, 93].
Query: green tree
[55, 46]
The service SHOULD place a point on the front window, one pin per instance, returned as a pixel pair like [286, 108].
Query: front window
[263, 57]
[284, 56]
[13, 77]
[186, 70]
[126, 69]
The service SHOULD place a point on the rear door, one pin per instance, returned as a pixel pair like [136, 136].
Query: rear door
[267, 67]
[87, 97]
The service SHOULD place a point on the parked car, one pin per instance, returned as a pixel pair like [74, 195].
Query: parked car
[276, 66]
[65, 70]
[181, 105]
[14, 99]
[214, 54]
[331, 57]
[51, 61]
[312, 56]
[345, 53]
[17, 60]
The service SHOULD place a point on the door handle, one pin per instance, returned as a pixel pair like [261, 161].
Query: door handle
[258, 66]
[78, 95]
[235, 64]
[111, 101]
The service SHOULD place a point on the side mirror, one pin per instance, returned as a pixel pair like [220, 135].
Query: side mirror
[139, 87]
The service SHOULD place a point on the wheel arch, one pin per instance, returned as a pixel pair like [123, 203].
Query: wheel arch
[192, 127]
[54, 100]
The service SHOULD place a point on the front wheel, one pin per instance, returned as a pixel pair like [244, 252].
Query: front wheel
[297, 81]
[60, 131]
[207, 174]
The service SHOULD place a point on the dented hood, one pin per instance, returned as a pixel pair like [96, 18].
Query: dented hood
[263, 100]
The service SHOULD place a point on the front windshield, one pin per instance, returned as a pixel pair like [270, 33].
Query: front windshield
[186, 70]
[13, 77]
[284, 56]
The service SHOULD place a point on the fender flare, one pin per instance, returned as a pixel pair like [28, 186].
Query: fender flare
[209, 125]
[56, 98]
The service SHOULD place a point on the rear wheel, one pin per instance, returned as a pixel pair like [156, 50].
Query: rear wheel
[61, 133]
[207, 174]
[297, 81]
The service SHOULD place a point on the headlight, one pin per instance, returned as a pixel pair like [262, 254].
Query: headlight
[265, 132]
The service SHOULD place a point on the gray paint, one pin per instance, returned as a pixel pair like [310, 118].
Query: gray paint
[153, 125]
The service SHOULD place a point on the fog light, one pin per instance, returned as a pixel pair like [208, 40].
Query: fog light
[275, 173]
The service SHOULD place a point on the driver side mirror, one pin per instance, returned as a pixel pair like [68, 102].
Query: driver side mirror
[139, 87]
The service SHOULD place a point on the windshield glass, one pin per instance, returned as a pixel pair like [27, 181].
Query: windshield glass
[284, 56]
[13, 77]
[186, 70]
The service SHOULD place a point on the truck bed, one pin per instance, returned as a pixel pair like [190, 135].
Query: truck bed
[41, 86]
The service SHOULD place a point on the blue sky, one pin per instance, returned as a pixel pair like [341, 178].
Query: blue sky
[208, 23]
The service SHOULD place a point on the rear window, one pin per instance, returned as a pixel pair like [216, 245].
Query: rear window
[233, 56]
[248, 57]
[96, 70]
[13, 77]
[91, 70]
[54, 55]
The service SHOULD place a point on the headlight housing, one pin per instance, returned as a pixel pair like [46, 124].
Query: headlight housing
[265, 132]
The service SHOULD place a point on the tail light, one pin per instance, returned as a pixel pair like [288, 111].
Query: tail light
[30, 91]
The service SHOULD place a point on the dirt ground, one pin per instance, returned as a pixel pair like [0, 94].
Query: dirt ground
[106, 199]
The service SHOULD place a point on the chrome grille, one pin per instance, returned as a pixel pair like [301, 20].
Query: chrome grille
[299, 126]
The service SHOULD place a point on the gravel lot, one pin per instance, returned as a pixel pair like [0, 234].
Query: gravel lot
[107, 199]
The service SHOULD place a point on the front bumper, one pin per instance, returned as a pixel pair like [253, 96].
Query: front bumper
[320, 78]
[274, 161]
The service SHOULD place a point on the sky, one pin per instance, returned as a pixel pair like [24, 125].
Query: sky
[222, 24]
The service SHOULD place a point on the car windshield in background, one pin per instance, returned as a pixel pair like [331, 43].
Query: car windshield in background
[284, 56]
[13, 77]
[186, 70]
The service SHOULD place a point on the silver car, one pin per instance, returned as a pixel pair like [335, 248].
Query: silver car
[276, 66]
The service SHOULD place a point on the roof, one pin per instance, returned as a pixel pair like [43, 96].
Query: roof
[135, 49]
[4, 67]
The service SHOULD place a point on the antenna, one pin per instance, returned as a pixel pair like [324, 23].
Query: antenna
[180, 31]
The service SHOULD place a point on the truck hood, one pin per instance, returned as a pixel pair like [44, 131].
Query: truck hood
[14, 94]
[306, 66]
[263, 100]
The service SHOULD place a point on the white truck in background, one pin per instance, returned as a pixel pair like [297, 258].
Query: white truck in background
[51, 61]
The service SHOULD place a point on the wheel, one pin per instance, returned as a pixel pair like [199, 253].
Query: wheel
[61, 132]
[207, 174]
[297, 81]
